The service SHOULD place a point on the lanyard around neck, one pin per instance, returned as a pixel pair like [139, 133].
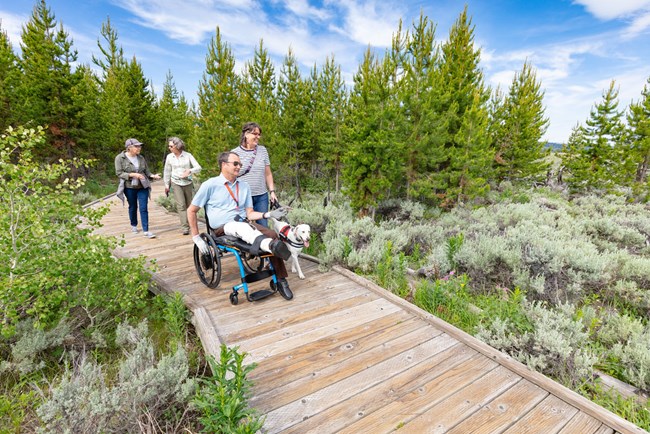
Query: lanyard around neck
[235, 198]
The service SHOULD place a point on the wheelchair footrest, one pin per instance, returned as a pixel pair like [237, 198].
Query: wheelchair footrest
[254, 277]
[258, 295]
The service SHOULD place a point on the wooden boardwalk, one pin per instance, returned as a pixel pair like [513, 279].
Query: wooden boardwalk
[347, 356]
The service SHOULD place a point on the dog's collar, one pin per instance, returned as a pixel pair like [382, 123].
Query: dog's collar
[284, 236]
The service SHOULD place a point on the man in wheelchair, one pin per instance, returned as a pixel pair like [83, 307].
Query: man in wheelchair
[228, 203]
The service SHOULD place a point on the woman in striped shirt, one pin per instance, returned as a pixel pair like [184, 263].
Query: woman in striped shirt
[256, 168]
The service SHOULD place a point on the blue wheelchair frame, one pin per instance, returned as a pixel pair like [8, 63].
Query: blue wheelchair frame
[251, 267]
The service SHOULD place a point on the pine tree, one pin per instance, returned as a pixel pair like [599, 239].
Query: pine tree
[422, 130]
[330, 99]
[372, 162]
[115, 121]
[473, 158]
[219, 121]
[173, 111]
[258, 92]
[293, 146]
[457, 91]
[44, 89]
[146, 126]
[520, 125]
[9, 76]
[113, 54]
[639, 133]
[87, 121]
[595, 155]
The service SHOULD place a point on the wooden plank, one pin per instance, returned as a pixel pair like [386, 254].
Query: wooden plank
[345, 412]
[261, 347]
[330, 349]
[231, 320]
[462, 404]
[549, 416]
[320, 399]
[207, 333]
[582, 423]
[423, 391]
[249, 331]
[270, 309]
[498, 415]
[320, 377]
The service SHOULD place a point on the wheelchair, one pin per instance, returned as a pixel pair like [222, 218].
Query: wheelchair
[252, 268]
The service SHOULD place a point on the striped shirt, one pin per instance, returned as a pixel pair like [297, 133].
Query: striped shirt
[256, 176]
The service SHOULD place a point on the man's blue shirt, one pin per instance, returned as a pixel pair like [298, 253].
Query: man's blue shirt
[222, 206]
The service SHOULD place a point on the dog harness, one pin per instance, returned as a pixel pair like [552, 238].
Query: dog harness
[284, 236]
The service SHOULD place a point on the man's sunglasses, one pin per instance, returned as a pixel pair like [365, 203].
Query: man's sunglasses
[234, 163]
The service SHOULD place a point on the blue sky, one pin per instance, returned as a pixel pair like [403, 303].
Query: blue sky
[577, 47]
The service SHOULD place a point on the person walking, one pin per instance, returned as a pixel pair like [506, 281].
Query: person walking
[134, 174]
[180, 165]
[256, 168]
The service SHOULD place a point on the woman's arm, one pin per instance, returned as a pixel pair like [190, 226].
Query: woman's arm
[120, 170]
[269, 182]
[196, 167]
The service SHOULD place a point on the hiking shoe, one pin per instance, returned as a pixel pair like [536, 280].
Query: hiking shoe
[149, 234]
[278, 248]
[134, 229]
[186, 231]
[283, 289]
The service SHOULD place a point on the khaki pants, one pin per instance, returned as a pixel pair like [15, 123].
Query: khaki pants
[183, 196]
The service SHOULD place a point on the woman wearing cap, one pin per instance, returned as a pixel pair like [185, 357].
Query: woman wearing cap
[179, 168]
[256, 168]
[134, 174]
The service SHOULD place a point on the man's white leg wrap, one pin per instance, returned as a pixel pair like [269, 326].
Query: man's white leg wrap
[245, 232]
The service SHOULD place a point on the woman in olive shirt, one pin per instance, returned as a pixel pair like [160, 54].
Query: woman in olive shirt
[134, 174]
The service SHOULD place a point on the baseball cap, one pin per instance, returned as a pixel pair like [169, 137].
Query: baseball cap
[132, 142]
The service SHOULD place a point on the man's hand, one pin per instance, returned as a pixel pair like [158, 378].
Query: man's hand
[277, 213]
[201, 244]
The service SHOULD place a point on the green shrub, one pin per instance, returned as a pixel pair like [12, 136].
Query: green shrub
[50, 263]
[391, 272]
[14, 408]
[176, 318]
[30, 346]
[141, 398]
[630, 408]
[557, 345]
[167, 202]
[223, 398]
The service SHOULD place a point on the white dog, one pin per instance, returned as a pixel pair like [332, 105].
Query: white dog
[295, 237]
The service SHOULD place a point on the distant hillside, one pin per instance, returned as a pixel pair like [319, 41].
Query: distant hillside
[554, 146]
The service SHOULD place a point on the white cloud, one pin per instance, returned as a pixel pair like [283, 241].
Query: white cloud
[370, 22]
[639, 25]
[637, 12]
[613, 9]
[12, 25]
[302, 9]
[192, 22]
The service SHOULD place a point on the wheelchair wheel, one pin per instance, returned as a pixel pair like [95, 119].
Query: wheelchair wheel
[252, 263]
[233, 298]
[208, 266]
